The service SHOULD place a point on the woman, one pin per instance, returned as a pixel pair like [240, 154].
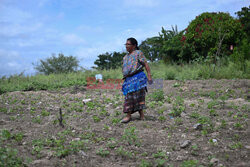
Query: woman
[135, 83]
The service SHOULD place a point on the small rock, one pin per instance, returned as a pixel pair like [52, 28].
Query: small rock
[214, 140]
[86, 101]
[83, 153]
[198, 126]
[3, 122]
[76, 139]
[180, 158]
[183, 135]
[42, 162]
[185, 144]
[214, 161]
[247, 147]
[183, 114]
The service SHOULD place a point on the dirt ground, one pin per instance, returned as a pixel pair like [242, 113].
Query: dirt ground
[211, 129]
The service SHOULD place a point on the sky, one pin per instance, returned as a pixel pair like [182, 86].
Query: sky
[33, 30]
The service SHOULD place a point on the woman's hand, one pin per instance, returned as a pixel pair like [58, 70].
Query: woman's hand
[150, 81]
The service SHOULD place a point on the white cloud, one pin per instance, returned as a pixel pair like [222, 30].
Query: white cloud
[4, 54]
[87, 28]
[141, 3]
[13, 64]
[13, 14]
[42, 3]
[72, 39]
[13, 29]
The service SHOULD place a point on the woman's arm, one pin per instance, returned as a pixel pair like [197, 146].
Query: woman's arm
[149, 73]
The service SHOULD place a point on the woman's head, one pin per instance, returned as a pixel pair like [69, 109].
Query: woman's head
[131, 44]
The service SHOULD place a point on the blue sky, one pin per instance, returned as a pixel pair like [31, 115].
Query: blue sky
[31, 30]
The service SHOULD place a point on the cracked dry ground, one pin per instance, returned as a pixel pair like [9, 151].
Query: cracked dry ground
[93, 136]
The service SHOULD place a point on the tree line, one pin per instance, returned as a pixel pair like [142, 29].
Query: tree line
[209, 38]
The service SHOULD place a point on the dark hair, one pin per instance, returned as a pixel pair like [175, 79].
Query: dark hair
[133, 42]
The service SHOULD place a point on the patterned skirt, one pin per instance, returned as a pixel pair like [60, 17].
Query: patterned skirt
[135, 101]
[134, 88]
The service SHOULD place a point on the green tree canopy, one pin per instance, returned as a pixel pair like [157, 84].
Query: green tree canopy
[109, 60]
[244, 17]
[209, 32]
[57, 64]
[151, 48]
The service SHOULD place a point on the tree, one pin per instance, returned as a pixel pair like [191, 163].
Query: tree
[151, 48]
[60, 64]
[244, 17]
[210, 32]
[109, 60]
[171, 44]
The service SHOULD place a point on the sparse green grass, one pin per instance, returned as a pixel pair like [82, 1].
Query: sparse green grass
[178, 107]
[102, 152]
[130, 135]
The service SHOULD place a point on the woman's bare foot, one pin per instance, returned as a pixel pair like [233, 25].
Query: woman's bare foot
[126, 119]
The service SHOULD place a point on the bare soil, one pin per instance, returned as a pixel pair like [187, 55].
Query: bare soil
[93, 136]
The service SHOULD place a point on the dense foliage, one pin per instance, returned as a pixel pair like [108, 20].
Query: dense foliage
[57, 65]
[109, 60]
[244, 17]
[211, 34]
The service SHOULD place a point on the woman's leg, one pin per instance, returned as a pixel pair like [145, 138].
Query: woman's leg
[141, 114]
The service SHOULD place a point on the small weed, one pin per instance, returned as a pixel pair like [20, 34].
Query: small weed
[160, 154]
[77, 145]
[112, 143]
[176, 84]
[178, 121]
[158, 95]
[212, 104]
[36, 119]
[45, 113]
[212, 112]
[194, 150]
[162, 118]
[130, 136]
[37, 147]
[178, 107]
[238, 125]
[160, 162]
[230, 113]
[6, 135]
[190, 163]
[145, 163]
[212, 95]
[201, 101]
[9, 157]
[3, 110]
[115, 121]
[96, 118]
[223, 124]
[161, 110]
[236, 145]
[195, 115]
[106, 127]
[102, 152]
[169, 100]
[125, 154]
[192, 105]
[18, 137]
